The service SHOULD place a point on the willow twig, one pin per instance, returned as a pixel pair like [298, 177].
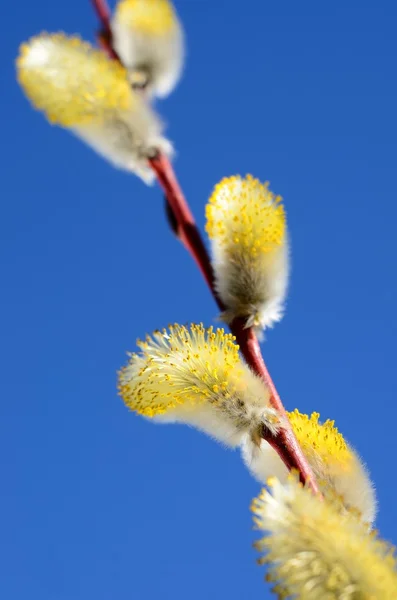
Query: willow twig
[184, 225]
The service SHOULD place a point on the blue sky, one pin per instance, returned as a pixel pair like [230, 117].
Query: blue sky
[98, 503]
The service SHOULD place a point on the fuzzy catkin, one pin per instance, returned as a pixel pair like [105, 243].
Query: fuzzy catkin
[80, 89]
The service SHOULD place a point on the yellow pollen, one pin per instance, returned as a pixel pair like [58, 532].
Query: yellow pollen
[320, 439]
[243, 215]
[70, 81]
[180, 366]
[152, 17]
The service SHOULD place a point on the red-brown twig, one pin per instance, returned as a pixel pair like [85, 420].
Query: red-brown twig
[187, 230]
[105, 36]
[285, 443]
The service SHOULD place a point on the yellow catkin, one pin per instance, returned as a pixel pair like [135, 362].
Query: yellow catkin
[244, 216]
[70, 81]
[318, 439]
[150, 17]
[180, 366]
[315, 551]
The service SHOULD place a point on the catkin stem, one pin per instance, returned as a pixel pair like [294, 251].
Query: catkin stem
[104, 36]
[285, 443]
[187, 230]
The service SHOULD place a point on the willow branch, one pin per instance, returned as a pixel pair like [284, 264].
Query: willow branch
[285, 442]
[184, 225]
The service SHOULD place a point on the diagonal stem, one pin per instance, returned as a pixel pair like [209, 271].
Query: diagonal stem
[187, 230]
[105, 36]
[285, 442]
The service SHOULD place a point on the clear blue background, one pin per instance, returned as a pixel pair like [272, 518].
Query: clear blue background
[98, 503]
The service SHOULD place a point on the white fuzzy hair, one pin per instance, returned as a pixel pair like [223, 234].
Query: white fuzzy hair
[249, 291]
[160, 57]
[353, 485]
[227, 424]
[126, 140]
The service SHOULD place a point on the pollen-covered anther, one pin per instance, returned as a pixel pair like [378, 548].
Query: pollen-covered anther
[148, 37]
[79, 88]
[247, 226]
[314, 550]
[321, 439]
[196, 376]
